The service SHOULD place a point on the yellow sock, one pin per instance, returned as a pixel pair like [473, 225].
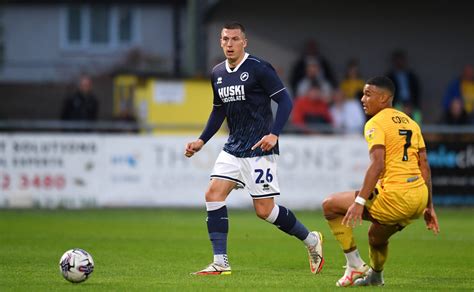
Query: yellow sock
[378, 256]
[343, 234]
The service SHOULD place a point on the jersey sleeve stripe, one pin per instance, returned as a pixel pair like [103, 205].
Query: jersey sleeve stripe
[217, 104]
[254, 59]
[277, 91]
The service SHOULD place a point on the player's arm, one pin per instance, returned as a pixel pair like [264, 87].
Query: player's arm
[283, 113]
[285, 105]
[376, 166]
[272, 84]
[214, 123]
[429, 214]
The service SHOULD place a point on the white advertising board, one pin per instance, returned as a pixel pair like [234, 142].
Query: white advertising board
[50, 170]
[151, 171]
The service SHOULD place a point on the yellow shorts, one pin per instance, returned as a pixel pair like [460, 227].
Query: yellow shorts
[397, 207]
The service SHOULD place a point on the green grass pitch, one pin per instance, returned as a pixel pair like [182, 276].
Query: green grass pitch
[156, 249]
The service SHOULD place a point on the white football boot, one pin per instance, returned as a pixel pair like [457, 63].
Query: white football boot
[371, 279]
[315, 254]
[351, 274]
[214, 269]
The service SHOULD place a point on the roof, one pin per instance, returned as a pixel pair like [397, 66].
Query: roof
[72, 2]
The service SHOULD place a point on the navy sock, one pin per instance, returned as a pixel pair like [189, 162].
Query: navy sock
[287, 222]
[218, 227]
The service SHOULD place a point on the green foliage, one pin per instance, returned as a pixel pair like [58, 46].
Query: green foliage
[157, 249]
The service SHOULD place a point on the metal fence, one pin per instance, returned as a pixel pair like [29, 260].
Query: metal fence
[127, 126]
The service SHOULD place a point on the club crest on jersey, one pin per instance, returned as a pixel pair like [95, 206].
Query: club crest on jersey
[244, 76]
[219, 80]
[232, 93]
[370, 134]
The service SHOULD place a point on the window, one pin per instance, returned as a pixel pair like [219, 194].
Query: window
[99, 26]
[74, 28]
[125, 25]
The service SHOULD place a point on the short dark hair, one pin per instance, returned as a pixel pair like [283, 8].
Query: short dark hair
[382, 82]
[234, 25]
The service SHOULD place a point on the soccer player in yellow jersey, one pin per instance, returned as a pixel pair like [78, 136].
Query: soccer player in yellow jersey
[396, 187]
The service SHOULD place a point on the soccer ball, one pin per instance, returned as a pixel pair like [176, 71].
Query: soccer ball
[76, 265]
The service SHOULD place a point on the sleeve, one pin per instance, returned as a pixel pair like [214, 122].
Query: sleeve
[269, 80]
[214, 123]
[283, 112]
[217, 101]
[374, 134]
[421, 141]
[217, 116]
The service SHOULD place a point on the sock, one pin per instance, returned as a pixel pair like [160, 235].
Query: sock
[221, 259]
[343, 234]
[353, 259]
[218, 228]
[286, 221]
[378, 256]
[311, 240]
[376, 276]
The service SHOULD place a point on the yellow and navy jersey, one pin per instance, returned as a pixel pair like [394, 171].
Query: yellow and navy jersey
[402, 139]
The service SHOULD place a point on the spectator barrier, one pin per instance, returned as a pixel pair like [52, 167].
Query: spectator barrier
[115, 170]
[74, 171]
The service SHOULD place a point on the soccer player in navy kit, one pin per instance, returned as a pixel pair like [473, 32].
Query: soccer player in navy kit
[243, 87]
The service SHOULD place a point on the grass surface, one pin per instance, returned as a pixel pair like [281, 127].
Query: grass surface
[156, 249]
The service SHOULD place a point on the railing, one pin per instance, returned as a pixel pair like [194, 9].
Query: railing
[88, 126]
[127, 127]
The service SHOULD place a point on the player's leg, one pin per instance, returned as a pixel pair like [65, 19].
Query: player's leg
[286, 221]
[378, 251]
[218, 225]
[334, 208]
[259, 174]
[225, 177]
[283, 218]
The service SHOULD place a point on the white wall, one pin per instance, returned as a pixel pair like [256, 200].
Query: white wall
[34, 52]
[157, 33]
[31, 42]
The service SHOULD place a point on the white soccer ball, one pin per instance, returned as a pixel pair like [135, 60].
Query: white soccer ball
[76, 265]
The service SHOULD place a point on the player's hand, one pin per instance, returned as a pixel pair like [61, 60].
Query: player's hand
[193, 147]
[353, 215]
[431, 220]
[266, 143]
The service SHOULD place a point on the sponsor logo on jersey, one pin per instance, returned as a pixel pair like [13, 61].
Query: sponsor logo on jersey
[244, 76]
[232, 93]
[219, 80]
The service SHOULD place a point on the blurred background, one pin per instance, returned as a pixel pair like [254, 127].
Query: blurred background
[98, 98]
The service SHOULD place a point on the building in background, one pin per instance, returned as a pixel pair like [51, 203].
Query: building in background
[57, 40]
[46, 44]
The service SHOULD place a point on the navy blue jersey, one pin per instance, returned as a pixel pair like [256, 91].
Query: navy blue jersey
[246, 91]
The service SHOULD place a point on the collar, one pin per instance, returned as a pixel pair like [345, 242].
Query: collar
[236, 67]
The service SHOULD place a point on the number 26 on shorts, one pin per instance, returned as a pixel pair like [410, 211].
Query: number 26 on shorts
[261, 174]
